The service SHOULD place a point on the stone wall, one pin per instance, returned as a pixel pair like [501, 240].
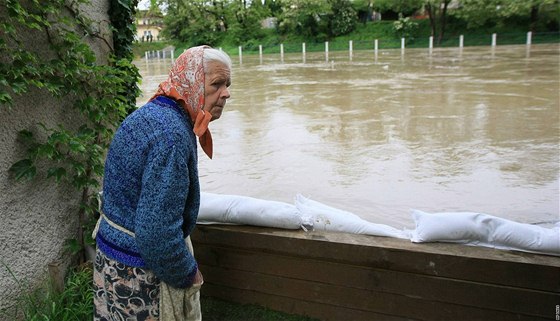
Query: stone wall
[36, 217]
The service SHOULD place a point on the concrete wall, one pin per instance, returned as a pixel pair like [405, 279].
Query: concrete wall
[37, 216]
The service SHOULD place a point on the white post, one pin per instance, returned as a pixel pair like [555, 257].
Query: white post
[494, 40]
[146, 55]
[402, 43]
[350, 45]
[326, 51]
[172, 57]
[303, 51]
[431, 46]
[240, 55]
[375, 48]
[282, 52]
[529, 36]
[461, 41]
[260, 54]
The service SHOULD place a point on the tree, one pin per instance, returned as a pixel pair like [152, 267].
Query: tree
[245, 20]
[404, 7]
[437, 12]
[343, 18]
[483, 12]
[195, 22]
[305, 17]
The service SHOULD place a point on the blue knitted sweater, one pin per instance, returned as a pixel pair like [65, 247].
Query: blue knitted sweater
[151, 188]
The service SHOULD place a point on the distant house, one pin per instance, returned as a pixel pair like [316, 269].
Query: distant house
[148, 25]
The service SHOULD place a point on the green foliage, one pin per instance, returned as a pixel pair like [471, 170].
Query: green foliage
[194, 22]
[404, 7]
[535, 14]
[103, 94]
[74, 303]
[343, 19]
[308, 18]
[405, 27]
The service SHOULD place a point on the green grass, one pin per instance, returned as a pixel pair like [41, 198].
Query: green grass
[75, 303]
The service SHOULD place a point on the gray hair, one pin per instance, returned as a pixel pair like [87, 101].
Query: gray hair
[212, 54]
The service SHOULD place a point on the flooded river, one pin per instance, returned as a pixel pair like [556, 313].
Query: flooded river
[476, 129]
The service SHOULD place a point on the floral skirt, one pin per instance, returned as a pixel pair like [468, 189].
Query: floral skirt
[124, 293]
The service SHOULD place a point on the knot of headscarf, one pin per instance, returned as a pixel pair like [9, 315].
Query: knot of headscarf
[185, 84]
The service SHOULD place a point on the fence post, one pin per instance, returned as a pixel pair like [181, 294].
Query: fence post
[461, 41]
[240, 55]
[282, 52]
[494, 36]
[431, 46]
[326, 51]
[529, 37]
[350, 49]
[303, 51]
[260, 54]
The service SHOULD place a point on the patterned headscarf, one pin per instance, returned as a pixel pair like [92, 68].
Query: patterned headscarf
[185, 84]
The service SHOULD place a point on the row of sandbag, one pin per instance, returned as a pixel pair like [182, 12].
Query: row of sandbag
[457, 227]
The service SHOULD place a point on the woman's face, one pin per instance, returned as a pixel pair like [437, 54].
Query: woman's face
[216, 88]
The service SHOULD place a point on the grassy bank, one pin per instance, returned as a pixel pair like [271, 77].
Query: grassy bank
[75, 303]
[365, 34]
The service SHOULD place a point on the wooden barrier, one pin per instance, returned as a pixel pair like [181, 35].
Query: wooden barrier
[339, 276]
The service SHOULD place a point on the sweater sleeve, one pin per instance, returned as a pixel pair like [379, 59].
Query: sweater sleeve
[159, 217]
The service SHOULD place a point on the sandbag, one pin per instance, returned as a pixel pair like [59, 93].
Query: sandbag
[326, 218]
[484, 230]
[244, 210]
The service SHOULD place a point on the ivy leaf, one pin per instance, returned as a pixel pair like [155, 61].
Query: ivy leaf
[72, 246]
[5, 98]
[26, 136]
[24, 169]
[76, 146]
[57, 172]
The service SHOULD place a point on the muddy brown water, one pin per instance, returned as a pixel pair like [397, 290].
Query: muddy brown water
[475, 130]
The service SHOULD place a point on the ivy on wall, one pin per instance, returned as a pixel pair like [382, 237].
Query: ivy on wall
[103, 94]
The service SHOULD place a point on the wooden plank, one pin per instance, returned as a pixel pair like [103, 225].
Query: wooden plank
[461, 262]
[509, 299]
[290, 305]
[354, 299]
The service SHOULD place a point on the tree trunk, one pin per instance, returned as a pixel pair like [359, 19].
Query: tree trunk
[431, 15]
[443, 20]
[534, 17]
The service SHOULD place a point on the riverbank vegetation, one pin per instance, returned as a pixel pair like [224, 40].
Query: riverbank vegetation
[232, 23]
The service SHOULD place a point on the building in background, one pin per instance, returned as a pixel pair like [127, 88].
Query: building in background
[148, 25]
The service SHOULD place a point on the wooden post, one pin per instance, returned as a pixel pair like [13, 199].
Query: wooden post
[240, 55]
[56, 274]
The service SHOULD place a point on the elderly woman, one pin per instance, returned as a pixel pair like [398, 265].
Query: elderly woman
[151, 193]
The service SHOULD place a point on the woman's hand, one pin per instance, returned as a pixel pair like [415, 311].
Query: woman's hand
[198, 279]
